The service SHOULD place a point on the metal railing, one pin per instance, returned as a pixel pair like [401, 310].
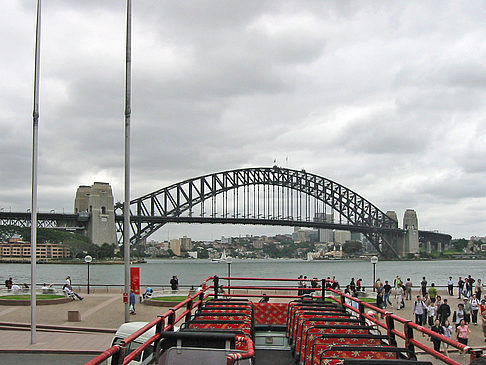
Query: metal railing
[184, 310]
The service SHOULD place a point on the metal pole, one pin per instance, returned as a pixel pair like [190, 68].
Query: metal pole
[126, 205]
[33, 209]
[374, 276]
[229, 275]
[88, 277]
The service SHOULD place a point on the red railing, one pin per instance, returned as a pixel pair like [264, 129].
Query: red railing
[232, 358]
[117, 352]
[407, 335]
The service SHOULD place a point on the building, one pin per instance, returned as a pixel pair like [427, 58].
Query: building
[325, 235]
[16, 250]
[175, 246]
[97, 201]
[342, 236]
[186, 243]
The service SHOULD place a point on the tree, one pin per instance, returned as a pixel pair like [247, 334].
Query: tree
[352, 247]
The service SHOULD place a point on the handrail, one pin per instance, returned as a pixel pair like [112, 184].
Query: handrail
[390, 318]
[232, 358]
[196, 299]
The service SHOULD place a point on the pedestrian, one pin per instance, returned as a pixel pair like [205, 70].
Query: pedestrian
[432, 293]
[458, 315]
[358, 284]
[438, 329]
[474, 308]
[460, 287]
[423, 286]
[174, 284]
[467, 310]
[133, 300]
[379, 299]
[399, 293]
[386, 294]
[418, 309]
[352, 285]
[450, 286]
[483, 318]
[8, 283]
[478, 289]
[431, 314]
[443, 312]
[447, 328]
[470, 285]
[408, 289]
[462, 332]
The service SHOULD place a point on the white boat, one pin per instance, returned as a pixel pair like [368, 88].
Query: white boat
[223, 257]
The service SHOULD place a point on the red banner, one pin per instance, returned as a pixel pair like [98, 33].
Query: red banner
[135, 279]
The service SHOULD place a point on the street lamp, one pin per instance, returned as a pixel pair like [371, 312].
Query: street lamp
[374, 260]
[88, 259]
[229, 260]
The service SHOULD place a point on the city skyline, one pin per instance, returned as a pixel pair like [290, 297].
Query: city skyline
[383, 98]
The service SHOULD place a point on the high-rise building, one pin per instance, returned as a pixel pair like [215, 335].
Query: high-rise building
[325, 235]
[186, 243]
[175, 246]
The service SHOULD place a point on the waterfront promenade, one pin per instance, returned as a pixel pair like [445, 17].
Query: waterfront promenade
[104, 310]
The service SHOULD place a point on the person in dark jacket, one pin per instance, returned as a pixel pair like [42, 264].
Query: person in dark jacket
[440, 330]
[443, 312]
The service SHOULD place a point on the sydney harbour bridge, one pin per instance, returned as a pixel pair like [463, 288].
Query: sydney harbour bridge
[254, 196]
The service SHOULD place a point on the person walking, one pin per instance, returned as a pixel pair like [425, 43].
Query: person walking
[423, 286]
[432, 293]
[474, 309]
[458, 315]
[483, 318]
[447, 328]
[460, 286]
[418, 309]
[408, 290]
[462, 332]
[450, 286]
[478, 289]
[9, 283]
[133, 300]
[443, 312]
[399, 293]
[438, 329]
[467, 310]
[386, 295]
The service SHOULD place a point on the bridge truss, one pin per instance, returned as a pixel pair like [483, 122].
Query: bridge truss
[265, 195]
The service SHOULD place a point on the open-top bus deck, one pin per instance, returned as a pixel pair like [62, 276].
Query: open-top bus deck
[312, 326]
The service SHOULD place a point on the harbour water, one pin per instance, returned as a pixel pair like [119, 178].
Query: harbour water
[193, 272]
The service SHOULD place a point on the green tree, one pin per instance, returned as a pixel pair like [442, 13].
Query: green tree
[352, 247]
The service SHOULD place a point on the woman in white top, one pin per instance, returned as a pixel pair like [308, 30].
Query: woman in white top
[475, 308]
[447, 327]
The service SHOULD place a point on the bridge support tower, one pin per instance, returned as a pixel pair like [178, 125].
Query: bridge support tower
[97, 201]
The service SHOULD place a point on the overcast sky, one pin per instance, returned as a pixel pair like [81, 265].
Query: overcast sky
[384, 97]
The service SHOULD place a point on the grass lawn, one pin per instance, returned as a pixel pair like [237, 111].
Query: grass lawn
[174, 298]
[27, 296]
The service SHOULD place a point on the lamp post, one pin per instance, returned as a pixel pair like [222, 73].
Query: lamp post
[229, 260]
[88, 259]
[374, 260]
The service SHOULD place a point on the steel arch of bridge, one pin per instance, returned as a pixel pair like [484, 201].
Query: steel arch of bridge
[263, 195]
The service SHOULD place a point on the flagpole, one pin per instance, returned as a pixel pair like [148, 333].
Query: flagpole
[126, 205]
[33, 209]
